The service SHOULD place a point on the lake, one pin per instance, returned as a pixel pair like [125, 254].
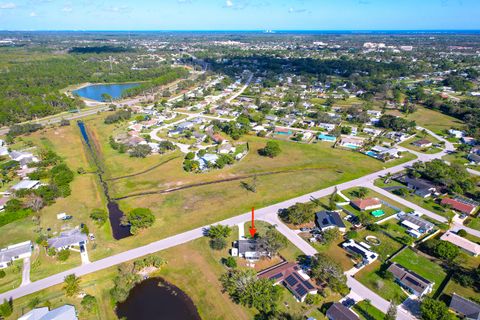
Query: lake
[95, 91]
[157, 299]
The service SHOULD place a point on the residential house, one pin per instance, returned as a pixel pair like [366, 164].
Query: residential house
[65, 312]
[291, 275]
[465, 308]
[468, 140]
[271, 118]
[374, 113]
[207, 160]
[416, 225]
[325, 220]
[338, 311]
[226, 148]
[26, 184]
[23, 157]
[327, 126]
[422, 187]
[15, 252]
[397, 136]
[351, 142]
[371, 131]
[456, 133]
[68, 239]
[283, 131]
[422, 143]
[251, 249]
[384, 153]
[474, 158]
[361, 249]
[366, 204]
[411, 281]
[4, 151]
[461, 205]
[466, 245]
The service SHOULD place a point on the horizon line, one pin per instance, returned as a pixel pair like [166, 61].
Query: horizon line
[241, 30]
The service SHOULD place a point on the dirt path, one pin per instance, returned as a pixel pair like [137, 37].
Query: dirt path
[144, 171]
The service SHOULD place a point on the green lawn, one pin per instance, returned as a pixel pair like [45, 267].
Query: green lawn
[422, 266]
[368, 312]
[13, 276]
[387, 289]
[473, 223]
[387, 247]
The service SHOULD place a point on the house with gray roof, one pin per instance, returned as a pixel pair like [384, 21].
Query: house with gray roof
[325, 220]
[68, 239]
[465, 308]
[15, 252]
[410, 281]
[338, 311]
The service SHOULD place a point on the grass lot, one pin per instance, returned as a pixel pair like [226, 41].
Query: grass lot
[473, 223]
[388, 289]
[433, 120]
[422, 266]
[464, 291]
[426, 203]
[336, 253]
[13, 276]
[368, 312]
[420, 136]
[44, 265]
[387, 247]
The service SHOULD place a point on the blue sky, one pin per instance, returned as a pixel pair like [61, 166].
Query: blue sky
[239, 14]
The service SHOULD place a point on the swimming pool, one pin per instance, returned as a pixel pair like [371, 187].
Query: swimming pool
[326, 137]
[372, 154]
[378, 213]
[350, 145]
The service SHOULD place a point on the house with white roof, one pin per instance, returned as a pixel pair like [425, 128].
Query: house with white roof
[26, 184]
[65, 312]
[466, 245]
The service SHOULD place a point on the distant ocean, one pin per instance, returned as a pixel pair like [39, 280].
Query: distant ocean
[272, 32]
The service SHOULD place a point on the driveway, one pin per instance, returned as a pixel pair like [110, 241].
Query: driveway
[26, 272]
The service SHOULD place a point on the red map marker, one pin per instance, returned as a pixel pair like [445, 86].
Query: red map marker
[252, 228]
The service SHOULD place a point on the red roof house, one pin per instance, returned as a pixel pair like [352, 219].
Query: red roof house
[366, 204]
[460, 206]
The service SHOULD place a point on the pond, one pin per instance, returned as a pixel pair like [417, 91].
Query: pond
[157, 299]
[95, 91]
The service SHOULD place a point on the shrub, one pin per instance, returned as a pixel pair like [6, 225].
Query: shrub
[272, 149]
[138, 219]
[63, 255]
[2, 274]
[218, 243]
[462, 233]
[230, 262]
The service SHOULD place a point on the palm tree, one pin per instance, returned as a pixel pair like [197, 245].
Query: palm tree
[71, 285]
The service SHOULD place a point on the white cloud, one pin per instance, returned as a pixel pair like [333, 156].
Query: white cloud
[8, 5]
[33, 14]
[229, 3]
[67, 9]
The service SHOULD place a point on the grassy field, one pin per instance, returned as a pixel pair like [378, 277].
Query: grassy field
[388, 289]
[422, 266]
[368, 312]
[13, 276]
[387, 247]
[433, 120]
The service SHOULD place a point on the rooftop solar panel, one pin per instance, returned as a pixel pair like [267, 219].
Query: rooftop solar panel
[291, 280]
[308, 285]
[278, 275]
[301, 291]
